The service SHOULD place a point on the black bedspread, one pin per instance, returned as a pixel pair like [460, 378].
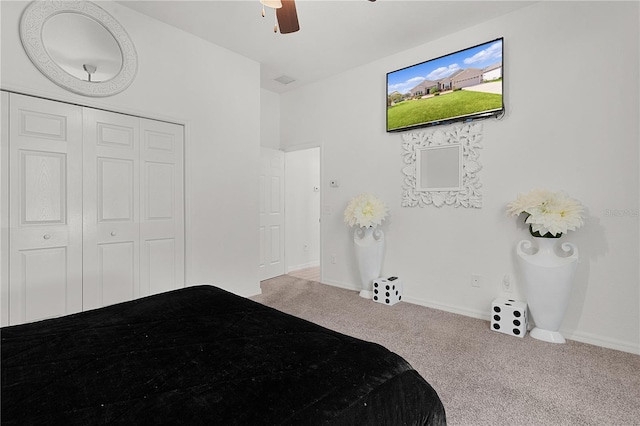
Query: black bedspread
[201, 355]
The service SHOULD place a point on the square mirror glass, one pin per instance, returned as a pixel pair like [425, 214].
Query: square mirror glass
[439, 168]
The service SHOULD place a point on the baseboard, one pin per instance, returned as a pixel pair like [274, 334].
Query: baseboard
[339, 284]
[587, 338]
[426, 303]
[604, 342]
[449, 308]
[307, 265]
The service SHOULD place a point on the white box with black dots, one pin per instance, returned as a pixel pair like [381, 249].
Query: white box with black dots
[387, 291]
[509, 316]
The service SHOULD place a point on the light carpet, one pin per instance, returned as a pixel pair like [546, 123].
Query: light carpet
[483, 377]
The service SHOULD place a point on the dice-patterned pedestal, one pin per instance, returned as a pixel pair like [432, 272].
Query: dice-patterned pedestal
[509, 316]
[387, 291]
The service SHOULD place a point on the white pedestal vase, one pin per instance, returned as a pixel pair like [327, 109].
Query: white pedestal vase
[548, 278]
[369, 248]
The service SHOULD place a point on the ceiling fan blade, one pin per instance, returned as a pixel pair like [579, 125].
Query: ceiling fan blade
[288, 17]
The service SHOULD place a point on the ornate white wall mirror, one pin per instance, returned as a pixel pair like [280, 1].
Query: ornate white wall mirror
[441, 167]
[79, 46]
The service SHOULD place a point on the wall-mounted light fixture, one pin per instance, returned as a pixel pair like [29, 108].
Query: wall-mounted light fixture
[90, 69]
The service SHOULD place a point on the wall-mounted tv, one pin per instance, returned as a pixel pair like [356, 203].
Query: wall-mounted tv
[461, 86]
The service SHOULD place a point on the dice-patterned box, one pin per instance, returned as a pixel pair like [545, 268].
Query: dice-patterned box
[509, 316]
[387, 291]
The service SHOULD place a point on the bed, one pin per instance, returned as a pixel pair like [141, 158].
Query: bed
[202, 355]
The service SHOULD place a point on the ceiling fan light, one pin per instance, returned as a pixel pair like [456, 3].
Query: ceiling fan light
[274, 4]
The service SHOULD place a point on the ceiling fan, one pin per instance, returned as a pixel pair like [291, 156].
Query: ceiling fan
[286, 15]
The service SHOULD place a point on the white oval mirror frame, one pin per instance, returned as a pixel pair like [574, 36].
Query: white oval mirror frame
[32, 23]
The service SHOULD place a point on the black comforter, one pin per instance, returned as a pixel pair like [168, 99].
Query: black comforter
[201, 355]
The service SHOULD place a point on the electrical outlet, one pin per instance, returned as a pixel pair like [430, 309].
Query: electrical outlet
[506, 283]
[475, 280]
[334, 258]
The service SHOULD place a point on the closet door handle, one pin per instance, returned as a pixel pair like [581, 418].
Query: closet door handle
[46, 236]
[114, 233]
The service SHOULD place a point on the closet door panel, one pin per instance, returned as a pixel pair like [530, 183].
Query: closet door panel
[160, 191]
[111, 208]
[162, 206]
[117, 271]
[115, 190]
[160, 264]
[43, 187]
[44, 282]
[45, 241]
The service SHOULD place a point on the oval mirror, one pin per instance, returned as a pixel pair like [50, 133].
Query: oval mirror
[78, 46]
[82, 47]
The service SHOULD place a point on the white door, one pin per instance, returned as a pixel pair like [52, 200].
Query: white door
[133, 208]
[45, 205]
[271, 213]
[162, 207]
[96, 208]
[111, 208]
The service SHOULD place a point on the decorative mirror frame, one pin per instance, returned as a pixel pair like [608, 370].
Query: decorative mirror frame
[36, 15]
[469, 137]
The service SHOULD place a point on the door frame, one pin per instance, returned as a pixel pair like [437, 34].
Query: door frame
[302, 147]
[4, 209]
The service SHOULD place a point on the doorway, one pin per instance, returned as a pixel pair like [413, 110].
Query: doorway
[302, 219]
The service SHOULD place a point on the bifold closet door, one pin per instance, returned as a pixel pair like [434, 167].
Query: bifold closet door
[111, 208]
[133, 207]
[162, 207]
[45, 209]
[95, 208]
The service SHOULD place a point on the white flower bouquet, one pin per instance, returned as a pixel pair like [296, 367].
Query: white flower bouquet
[549, 214]
[365, 210]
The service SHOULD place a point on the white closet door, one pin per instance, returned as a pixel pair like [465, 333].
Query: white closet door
[45, 254]
[111, 208]
[271, 232]
[162, 207]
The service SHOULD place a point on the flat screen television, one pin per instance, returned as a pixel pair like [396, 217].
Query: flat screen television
[461, 86]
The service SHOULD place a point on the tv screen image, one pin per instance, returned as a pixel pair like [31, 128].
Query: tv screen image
[460, 86]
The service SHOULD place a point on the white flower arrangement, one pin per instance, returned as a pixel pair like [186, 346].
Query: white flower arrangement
[365, 210]
[550, 214]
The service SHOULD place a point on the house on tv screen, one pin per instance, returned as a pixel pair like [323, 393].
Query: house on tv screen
[466, 77]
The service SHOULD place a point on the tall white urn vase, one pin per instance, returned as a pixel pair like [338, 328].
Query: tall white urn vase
[369, 248]
[548, 279]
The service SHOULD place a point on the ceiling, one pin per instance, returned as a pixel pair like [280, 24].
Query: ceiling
[334, 36]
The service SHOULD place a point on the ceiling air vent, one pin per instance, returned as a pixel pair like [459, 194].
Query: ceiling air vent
[285, 79]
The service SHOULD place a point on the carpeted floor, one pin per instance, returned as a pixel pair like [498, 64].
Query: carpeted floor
[483, 377]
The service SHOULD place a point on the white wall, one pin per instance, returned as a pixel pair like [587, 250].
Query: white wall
[571, 88]
[213, 91]
[269, 119]
[302, 208]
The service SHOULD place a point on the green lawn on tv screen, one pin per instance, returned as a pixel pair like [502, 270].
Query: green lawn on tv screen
[455, 104]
